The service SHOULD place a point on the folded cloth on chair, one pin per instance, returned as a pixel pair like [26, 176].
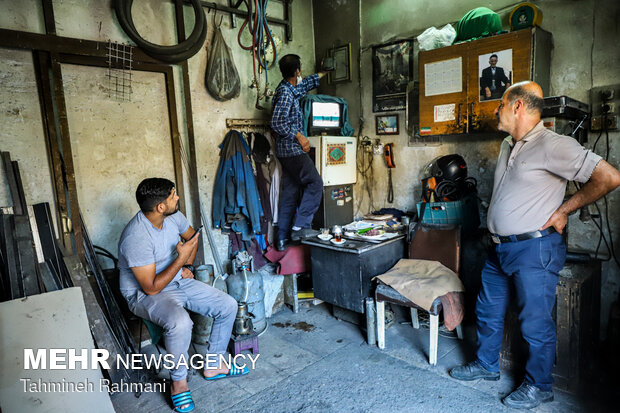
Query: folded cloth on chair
[421, 281]
[453, 305]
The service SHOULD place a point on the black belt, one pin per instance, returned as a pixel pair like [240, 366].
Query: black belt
[500, 239]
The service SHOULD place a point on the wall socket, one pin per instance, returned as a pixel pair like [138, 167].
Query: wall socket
[605, 100]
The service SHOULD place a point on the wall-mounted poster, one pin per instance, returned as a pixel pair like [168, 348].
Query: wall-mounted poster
[392, 70]
[495, 74]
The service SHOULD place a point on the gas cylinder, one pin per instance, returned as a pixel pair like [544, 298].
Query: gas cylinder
[203, 324]
[246, 286]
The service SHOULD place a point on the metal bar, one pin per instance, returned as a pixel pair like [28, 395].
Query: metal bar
[67, 153]
[20, 188]
[287, 23]
[371, 324]
[33, 41]
[10, 176]
[50, 282]
[415, 322]
[191, 140]
[176, 144]
[51, 130]
[43, 218]
[99, 326]
[16, 283]
[25, 255]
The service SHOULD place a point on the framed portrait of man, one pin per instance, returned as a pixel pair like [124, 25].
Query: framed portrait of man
[494, 74]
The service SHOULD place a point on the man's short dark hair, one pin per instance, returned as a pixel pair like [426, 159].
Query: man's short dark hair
[152, 192]
[493, 56]
[289, 65]
[532, 101]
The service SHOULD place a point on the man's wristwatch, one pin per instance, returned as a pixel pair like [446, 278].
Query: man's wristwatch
[189, 267]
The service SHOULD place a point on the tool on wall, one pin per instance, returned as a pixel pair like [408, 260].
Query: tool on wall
[262, 40]
[388, 153]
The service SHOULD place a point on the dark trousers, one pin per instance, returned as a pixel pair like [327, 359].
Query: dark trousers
[301, 189]
[532, 267]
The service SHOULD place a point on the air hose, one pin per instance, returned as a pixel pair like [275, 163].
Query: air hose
[258, 27]
[169, 54]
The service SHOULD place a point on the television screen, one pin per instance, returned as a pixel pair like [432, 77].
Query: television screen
[325, 115]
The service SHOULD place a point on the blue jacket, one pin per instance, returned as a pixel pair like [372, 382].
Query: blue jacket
[235, 188]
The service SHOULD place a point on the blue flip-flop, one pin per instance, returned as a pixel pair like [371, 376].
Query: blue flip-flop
[182, 399]
[234, 372]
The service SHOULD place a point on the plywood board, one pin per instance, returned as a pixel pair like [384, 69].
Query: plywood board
[51, 320]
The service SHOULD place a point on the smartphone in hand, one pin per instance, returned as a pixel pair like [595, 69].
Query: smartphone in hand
[195, 233]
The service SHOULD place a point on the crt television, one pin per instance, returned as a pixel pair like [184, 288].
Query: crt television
[325, 117]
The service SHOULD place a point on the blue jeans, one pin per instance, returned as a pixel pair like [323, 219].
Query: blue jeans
[300, 193]
[532, 266]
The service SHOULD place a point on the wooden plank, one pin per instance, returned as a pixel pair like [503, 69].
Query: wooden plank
[46, 97]
[191, 141]
[10, 176]
[57, 44]
[16, 283]
[67, 155]
[26, 256]
[176, 143]
[48, 16]
[99, 326]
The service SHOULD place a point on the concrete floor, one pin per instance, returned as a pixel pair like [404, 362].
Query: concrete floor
[332, 369]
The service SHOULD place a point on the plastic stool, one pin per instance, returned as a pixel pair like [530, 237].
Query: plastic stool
[243, 342]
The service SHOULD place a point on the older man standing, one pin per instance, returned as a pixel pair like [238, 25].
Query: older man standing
[526, 218]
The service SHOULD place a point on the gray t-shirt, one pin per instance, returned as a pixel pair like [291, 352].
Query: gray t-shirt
[530, 179]
[143, 244]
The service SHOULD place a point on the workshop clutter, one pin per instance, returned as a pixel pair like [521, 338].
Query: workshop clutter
[449, 196]
[32, 261]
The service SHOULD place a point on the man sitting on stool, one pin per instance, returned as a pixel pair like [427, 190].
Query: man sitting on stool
[157, 280]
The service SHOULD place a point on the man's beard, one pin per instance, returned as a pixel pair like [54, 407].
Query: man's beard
[168, 213]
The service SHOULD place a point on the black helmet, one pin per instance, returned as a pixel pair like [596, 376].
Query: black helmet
[448, 167]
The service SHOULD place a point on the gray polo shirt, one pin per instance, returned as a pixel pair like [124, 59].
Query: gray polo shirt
[530, 179]
[143, 244]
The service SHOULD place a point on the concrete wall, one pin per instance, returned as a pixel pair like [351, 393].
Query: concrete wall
[114, 142]
[585, 56]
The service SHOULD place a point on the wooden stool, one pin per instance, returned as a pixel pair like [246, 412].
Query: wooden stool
[243, 342]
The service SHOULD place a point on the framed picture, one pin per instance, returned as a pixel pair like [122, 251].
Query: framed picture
[495, 74]
[342, 64]
[387, 125]
[392, 70]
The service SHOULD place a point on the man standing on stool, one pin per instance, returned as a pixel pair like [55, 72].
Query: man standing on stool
[299, 175]
[526, 217]
[157, 280]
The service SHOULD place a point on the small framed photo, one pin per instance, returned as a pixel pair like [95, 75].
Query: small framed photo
[342, 64]
[387, 124]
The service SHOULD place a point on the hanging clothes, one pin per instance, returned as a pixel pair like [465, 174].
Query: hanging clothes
[235, 188]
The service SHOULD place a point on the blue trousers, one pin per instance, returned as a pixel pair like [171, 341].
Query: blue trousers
[301, 190]
[532, 267]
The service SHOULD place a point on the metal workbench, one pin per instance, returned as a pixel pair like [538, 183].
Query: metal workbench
[342, 274]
